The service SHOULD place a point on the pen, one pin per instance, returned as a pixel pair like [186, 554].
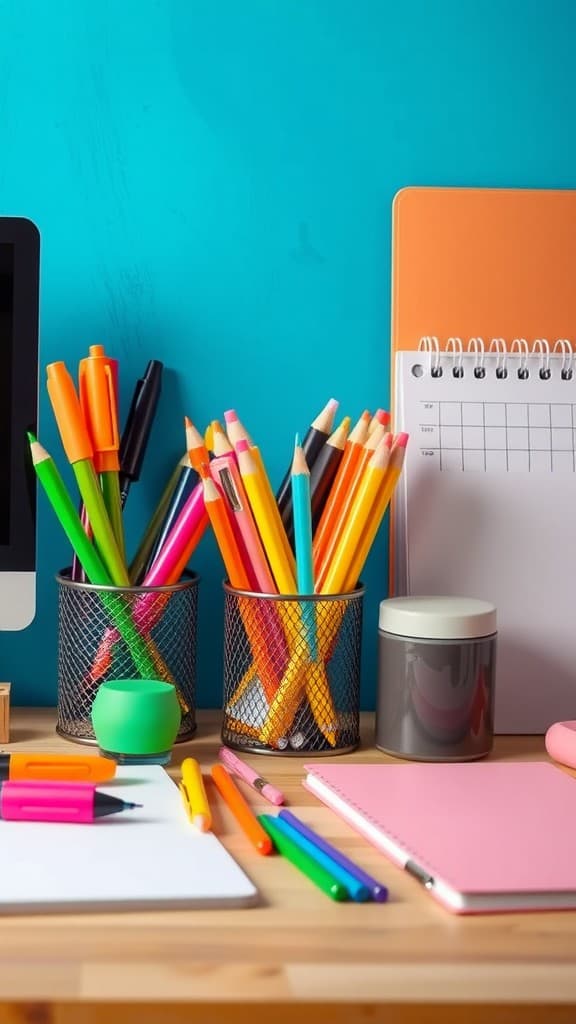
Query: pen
[56, 767]
[355, 889]
[301, 860]
[241, 810]
[248, 775]
[194, 795]
[99, 402]
[138, 426]
[79, 451]
[185, 484]
[378, 892]
[77, 802]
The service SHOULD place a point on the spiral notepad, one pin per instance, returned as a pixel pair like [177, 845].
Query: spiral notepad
[486, 503]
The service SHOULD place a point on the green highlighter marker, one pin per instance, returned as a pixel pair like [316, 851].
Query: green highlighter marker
[62, 503]
[79, 450]
[301, 860]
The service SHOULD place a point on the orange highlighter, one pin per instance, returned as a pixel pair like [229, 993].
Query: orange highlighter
[56, 767]
[98, 387]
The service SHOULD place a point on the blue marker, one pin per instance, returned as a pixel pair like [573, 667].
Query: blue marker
[356, 890]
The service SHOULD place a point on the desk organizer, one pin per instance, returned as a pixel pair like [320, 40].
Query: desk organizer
[292, 672]
[124, 633]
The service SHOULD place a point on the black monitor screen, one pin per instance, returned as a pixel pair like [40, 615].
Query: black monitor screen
[6, 343]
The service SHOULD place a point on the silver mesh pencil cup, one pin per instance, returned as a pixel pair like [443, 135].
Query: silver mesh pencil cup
[292, 672]
[123, 633]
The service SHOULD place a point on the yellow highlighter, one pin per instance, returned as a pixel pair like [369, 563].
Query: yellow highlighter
[194, 795]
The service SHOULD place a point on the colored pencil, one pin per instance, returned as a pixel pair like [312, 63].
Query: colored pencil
[268, 528]
[141, 558]
[324, 469]
[316, 436]
[340, 487]
[358, 520]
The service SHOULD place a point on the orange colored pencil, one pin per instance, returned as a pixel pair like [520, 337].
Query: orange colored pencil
[218, 516]
[342, 484]
[220, 443]
[243, 813]
[333, 540]
[197, 451]
[380, 416]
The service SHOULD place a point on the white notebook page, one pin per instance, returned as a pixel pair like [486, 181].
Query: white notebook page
[485, 508]
[143, 858]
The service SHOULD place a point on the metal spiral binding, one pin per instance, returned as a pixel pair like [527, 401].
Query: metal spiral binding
[517, 358]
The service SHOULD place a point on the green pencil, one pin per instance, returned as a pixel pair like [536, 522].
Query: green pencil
[68, 517]
[302, 860]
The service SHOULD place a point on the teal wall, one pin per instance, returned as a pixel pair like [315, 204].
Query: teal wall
[213, 179]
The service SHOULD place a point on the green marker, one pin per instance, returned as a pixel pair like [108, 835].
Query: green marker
[303, 861]
[79, 450]
[68, 517]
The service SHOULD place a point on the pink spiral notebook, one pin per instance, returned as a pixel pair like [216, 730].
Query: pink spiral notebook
[481, 837]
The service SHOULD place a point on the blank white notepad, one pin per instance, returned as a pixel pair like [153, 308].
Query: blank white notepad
[485, 508]
[140, 859]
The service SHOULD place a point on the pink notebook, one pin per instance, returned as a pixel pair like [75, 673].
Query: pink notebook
[480, 837]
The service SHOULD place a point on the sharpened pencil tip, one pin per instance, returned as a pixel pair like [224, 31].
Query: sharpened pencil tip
[31, 437]
[242, 446]
[401, 440]
[230, 416]
[297, 441]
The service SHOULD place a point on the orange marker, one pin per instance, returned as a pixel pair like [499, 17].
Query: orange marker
[341, 486]
[97, 381]
[197, 451]
[241, 810]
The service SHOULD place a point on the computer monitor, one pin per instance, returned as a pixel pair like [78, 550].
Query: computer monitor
[19, 286]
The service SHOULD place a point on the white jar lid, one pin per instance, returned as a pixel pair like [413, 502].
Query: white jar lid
[437, 618]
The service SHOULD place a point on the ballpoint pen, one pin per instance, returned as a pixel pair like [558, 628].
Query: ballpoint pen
[248, 775]
[97, 381]
[194, 795]
[138, 426]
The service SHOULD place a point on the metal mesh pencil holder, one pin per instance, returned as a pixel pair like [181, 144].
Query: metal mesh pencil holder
[292, 672]
[124, 633]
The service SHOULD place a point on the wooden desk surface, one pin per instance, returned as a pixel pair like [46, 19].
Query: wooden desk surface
[344, 962]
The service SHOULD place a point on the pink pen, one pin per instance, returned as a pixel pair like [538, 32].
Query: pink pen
[57, 801]
[247, 774]
[180, 542]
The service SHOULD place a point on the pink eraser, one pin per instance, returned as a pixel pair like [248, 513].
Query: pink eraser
[231, 416]
[242, 446]
[560, 742]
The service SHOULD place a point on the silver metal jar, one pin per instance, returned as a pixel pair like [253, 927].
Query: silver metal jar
[436, 673]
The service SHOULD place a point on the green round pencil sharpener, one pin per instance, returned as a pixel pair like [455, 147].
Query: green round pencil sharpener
[136, 720]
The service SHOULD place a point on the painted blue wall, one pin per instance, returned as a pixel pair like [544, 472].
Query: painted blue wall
[212, 180]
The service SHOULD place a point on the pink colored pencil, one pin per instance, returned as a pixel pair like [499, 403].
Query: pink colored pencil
[180, 543]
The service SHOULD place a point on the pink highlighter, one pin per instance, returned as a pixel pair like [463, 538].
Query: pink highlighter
[57, 801]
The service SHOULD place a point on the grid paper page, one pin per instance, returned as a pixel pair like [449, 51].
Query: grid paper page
[485, 508]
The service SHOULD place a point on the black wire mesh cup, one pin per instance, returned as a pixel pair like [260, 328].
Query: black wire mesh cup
[124, 633]
[292, 672]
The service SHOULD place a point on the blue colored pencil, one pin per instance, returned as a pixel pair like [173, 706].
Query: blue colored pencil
[302, 513]
[356, 890]
[378, 892]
